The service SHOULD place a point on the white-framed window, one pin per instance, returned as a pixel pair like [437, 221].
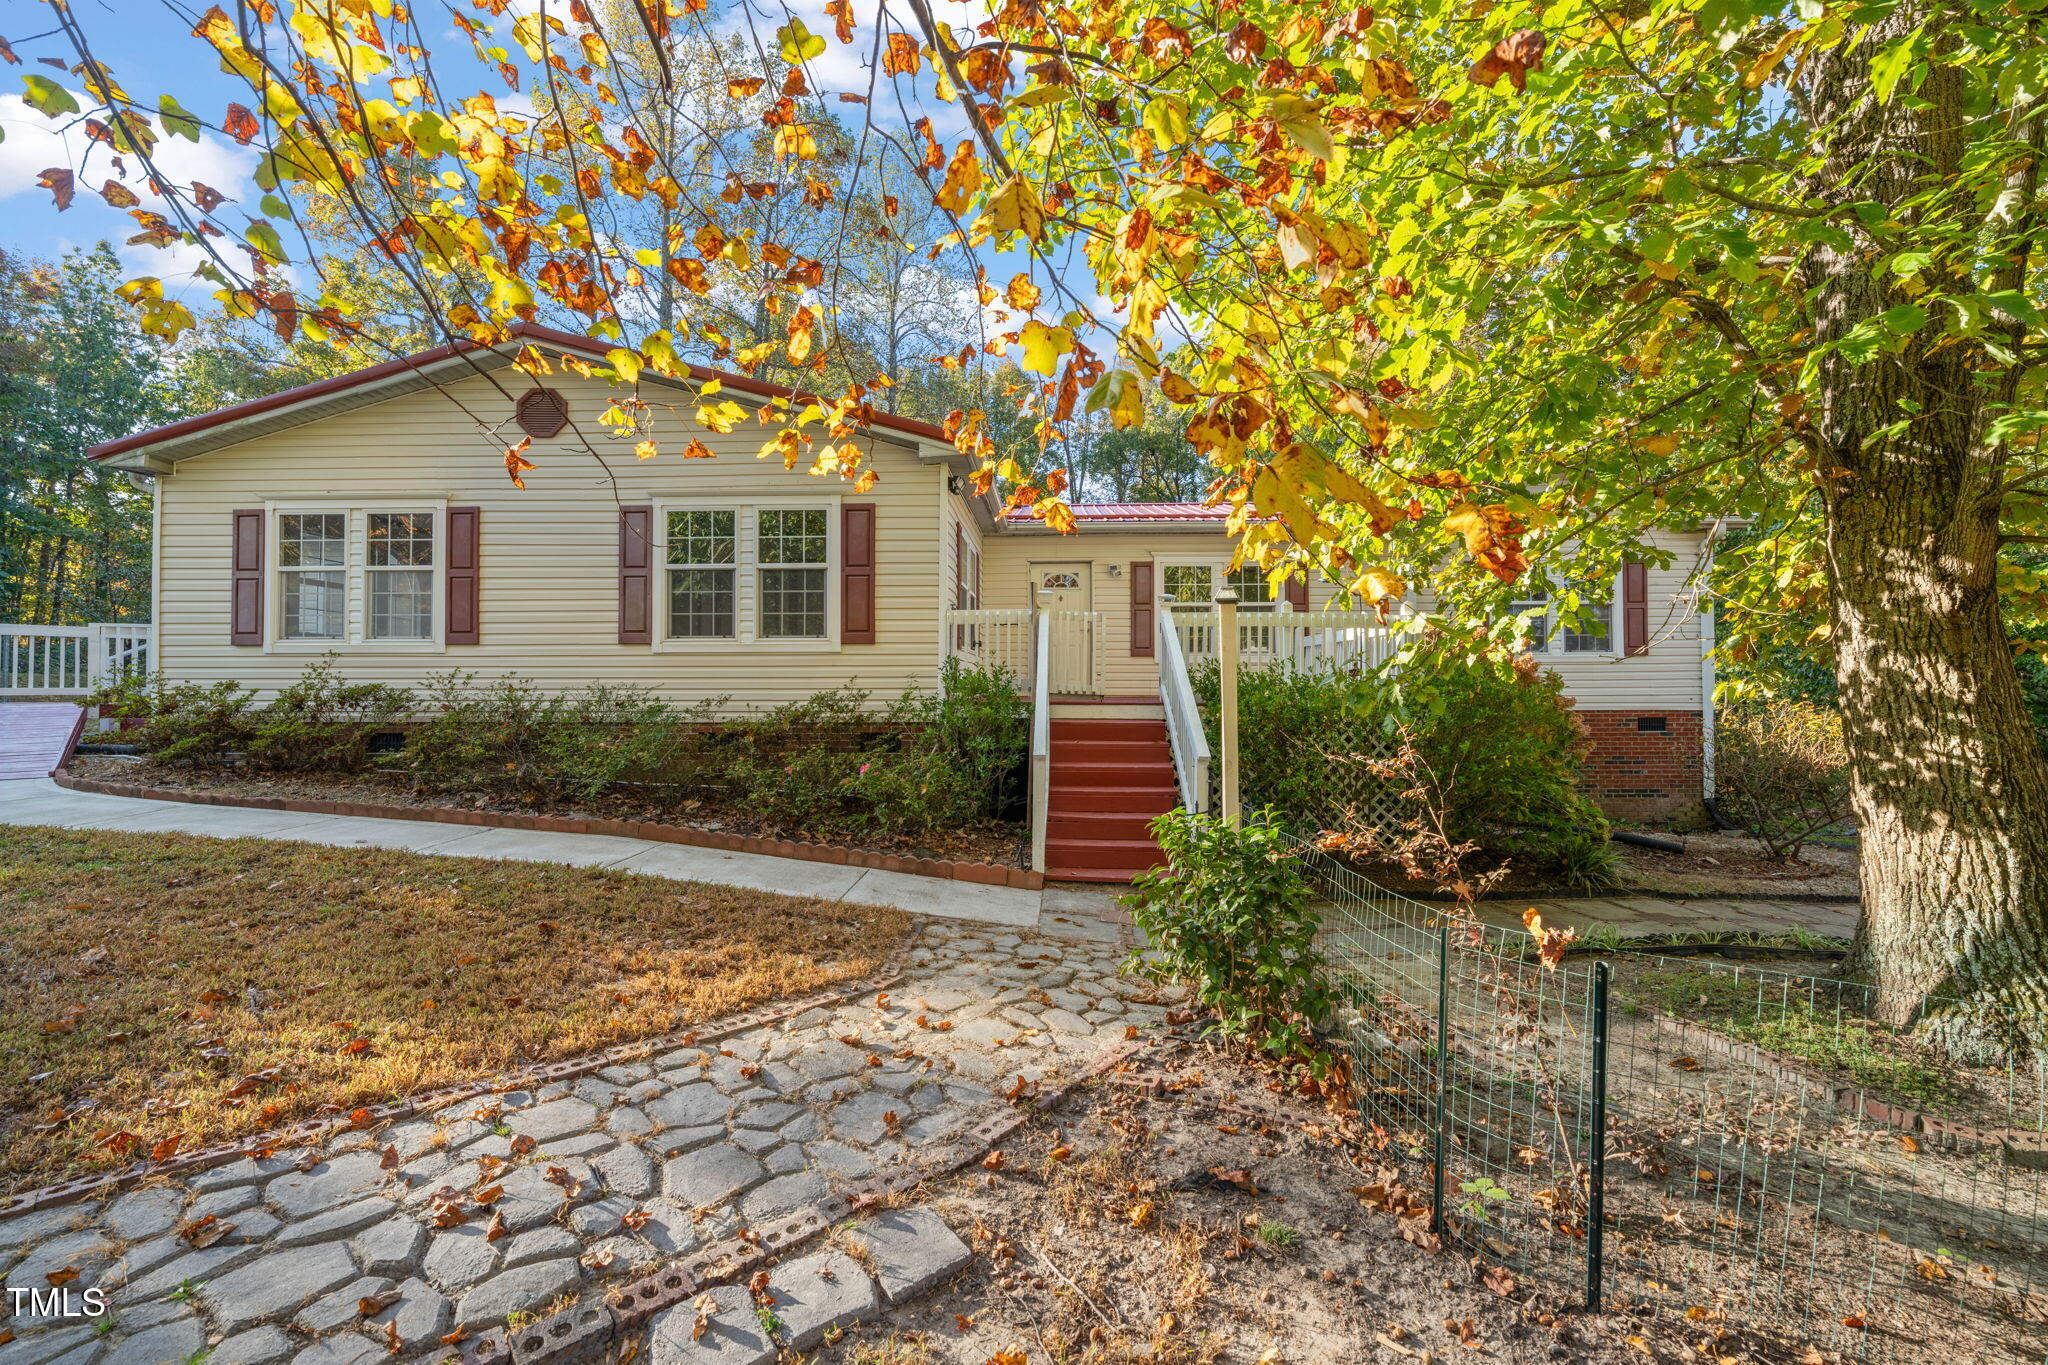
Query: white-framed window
[1544, 632]
[1187, 584]
[742, 573]
[1194, 583]
[399, 565]
[703, 573]
[356, 576]
[312, 573]
[794, 548]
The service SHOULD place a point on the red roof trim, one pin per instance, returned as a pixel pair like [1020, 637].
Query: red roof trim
[389, 369]
[1135, 511]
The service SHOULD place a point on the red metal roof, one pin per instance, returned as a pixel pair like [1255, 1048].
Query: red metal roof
[1136, 511]
[523, 331]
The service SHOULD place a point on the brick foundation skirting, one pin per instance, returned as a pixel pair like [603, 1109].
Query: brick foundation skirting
[1635, 773]
[987, 874]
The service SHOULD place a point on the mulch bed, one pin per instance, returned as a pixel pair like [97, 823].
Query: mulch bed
[996, 843]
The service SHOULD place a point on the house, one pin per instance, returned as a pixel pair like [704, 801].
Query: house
[368, 517]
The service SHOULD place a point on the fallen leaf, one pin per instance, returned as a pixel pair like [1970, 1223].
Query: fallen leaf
[61, 1277]
[993, 1161]
[1685, 1063]
[374, 1304]
[496, 1228]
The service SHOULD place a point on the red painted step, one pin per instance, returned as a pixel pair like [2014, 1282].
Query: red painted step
[1146, 801]
[1109, 778]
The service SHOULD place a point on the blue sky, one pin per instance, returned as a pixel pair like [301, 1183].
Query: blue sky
[151, 50]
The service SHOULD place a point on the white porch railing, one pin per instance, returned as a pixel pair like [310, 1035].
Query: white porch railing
[1077, 654]
[1282, 638]
[1041, 739]
[1183, 719]
[57, 661]
[992, 639]
[1010, 640]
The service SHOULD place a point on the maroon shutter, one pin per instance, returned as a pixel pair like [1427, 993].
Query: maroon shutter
[636, 575]
[245, 593]
[460, 577]
[857, 573]
[1143, 609]
[1635, 609]
[1297, 593]
[959, 568]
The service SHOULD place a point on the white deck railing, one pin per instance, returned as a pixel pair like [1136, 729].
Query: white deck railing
[1183, 719]
[1041, 739]
[59, 661]
[1281, 638]
[992, 639]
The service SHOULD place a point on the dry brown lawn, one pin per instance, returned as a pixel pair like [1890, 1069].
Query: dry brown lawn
[147, 978]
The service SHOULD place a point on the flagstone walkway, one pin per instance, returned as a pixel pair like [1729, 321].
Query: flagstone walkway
[519, 1203]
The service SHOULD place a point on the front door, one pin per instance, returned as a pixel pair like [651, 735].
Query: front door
[1062, 592]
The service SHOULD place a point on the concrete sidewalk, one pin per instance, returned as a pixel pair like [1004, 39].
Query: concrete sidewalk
[42, 802]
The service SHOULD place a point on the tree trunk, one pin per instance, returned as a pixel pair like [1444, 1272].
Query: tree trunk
[1948, 781]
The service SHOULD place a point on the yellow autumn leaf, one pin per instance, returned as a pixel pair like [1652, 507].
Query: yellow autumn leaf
[1014, 207]
[963, 179]
[1760, 70]
[625, 363]
[1378, 585]
[646, 450]
[1043, 346]
[1022, 293]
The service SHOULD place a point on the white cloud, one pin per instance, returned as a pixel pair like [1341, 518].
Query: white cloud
[35, 143]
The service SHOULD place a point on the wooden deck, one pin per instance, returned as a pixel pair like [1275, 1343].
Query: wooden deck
[36, 736]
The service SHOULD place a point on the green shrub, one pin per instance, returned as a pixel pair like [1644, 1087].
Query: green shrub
[1782, 771]
[608, 734]
[322, 724]
[983, 729]
[197, 723]
[1231, 914]
[1499, 736]
[478, 738]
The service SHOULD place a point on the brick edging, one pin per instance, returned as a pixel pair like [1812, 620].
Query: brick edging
[986, 874]
[586, 1329]
[316, 1129]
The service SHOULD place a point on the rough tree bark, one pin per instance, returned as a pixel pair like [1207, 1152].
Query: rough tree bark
[1949, 784]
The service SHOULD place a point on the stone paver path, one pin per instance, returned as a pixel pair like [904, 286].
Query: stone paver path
[1654, 916]
[515, 1204]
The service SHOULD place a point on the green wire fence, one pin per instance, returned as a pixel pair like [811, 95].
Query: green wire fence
[1744, 1148]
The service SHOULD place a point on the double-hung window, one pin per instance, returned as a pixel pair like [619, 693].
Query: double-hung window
[744, 573]
[703, 574]
[312, 567]
[793, 545]
[1592, 632]
[357, 576]
[1254, 589]
[1188, 584]
[400, 570]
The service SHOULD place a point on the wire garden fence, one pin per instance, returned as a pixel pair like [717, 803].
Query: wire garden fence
[1741, 1146]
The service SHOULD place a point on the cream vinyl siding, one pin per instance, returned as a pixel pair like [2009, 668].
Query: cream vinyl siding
[1667, 678]
[548, 554]
[1006, 583]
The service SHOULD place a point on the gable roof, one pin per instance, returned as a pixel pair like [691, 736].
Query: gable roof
[292, 407]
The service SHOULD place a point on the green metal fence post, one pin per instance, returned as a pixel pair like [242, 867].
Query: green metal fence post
[1441, 1138]
[1596, 1160]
